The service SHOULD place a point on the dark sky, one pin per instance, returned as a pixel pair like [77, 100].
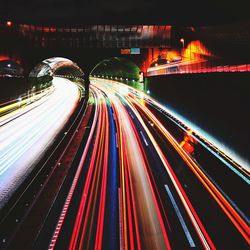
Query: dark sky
[126, 11]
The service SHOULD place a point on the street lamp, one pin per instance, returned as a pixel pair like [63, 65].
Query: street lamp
[8, 23]
[182, 41]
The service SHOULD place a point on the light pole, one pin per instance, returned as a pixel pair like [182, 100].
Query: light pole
[183, 42]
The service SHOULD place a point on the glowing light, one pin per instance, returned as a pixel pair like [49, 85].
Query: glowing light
[195, 50]
[2, 58]
[32, 131]
[9, 23]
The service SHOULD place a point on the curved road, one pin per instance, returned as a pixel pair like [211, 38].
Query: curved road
[144, 182]
[27, 132]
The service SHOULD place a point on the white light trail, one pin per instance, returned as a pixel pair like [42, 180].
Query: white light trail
[24, 139]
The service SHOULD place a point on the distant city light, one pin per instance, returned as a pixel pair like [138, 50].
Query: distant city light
[8, 65]
[9, 23]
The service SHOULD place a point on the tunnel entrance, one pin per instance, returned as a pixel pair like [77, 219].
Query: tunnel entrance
[42, 75]
[119, 69]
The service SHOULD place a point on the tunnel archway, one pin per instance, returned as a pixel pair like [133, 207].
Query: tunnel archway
[42, 74]
[119, 69]
[55, 66]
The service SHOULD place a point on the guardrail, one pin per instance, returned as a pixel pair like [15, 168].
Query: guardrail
[186, 68]
[23, 100]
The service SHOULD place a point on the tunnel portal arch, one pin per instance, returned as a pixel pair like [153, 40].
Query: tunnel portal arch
[120, 69]
[55, 65]
[42, 74]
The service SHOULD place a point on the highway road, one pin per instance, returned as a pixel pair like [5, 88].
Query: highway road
[26, 133]
[138, 179]
[146, 181]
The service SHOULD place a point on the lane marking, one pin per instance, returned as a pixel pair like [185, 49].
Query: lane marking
[144, 139]
[121, 232]
[183, 224]
[131, 115]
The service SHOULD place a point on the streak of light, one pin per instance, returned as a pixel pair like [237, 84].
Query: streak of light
[183, 224]
[28, 132]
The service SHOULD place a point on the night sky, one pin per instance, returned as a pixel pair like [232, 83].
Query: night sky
[126, 12]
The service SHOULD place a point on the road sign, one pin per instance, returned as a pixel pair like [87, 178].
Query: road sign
[125, 51]
[131, 51]
[135, 51]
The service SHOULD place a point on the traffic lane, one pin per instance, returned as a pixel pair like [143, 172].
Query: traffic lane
[118, 90]
[152, 235]
[71, 159]
[196, 192]
[111, 222]
[125, 89]
[92, 231]
[32, 206]
[202, 233]
[179, 228]
[221, 175]
[205, 242]
[236, 218]
[19, 137]
[90, 199]
[195, 220]
[68, 214]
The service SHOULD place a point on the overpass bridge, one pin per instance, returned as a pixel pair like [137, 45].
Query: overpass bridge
[90, 44]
